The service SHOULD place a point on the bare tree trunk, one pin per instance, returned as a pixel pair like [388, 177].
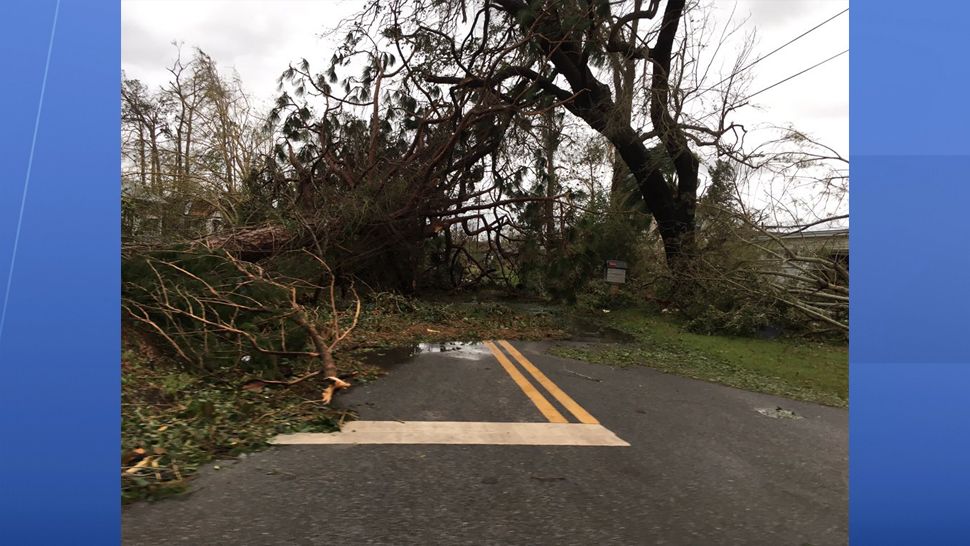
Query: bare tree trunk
[142, 167]
[550, 141]
[591, 100]
[156, 162]
[678, 230]
[187, 160]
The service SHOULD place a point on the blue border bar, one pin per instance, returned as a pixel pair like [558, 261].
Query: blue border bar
[910, 331]
[60, 344]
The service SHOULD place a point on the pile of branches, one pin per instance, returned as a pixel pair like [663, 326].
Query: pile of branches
[812, 283]
[214, 311]
[755, 281]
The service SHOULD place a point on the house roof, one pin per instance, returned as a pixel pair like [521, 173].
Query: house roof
[831, 239]
[139, 193]
[815, 233]
[194, 207]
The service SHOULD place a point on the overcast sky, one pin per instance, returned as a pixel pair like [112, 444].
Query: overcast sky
[259, 38]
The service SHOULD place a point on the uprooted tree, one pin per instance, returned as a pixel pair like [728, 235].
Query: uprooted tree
[450, 144]
[429, 128]
[517, 54]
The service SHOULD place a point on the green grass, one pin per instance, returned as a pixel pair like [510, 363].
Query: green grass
[814, 372]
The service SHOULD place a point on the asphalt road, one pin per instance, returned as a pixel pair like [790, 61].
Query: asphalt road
[703, 467]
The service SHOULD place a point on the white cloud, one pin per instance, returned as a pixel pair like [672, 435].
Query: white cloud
[780, 12]
[257, 38]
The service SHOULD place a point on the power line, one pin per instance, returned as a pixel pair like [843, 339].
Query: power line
[779, 48]
[814, 66]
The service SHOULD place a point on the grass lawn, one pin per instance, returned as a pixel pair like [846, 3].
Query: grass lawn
[815, 372]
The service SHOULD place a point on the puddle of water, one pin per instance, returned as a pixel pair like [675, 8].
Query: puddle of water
[396, 356]
[457, 349]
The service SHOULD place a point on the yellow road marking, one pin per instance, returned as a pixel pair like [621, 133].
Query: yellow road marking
[540, 401]
[582, 415]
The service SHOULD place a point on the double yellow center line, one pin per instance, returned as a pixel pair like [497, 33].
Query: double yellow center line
[540, 401]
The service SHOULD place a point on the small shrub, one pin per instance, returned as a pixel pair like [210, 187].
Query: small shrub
[601, 295]
[746, 320]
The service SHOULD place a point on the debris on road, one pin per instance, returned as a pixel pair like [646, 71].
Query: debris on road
[778, 413]
[577, 374]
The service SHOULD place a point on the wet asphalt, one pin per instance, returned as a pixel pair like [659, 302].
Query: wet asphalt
[704, 467]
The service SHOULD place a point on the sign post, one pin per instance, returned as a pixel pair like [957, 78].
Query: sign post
[615, 274]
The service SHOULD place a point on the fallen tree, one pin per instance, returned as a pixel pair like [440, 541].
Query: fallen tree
[557, 52]
[213, 310]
